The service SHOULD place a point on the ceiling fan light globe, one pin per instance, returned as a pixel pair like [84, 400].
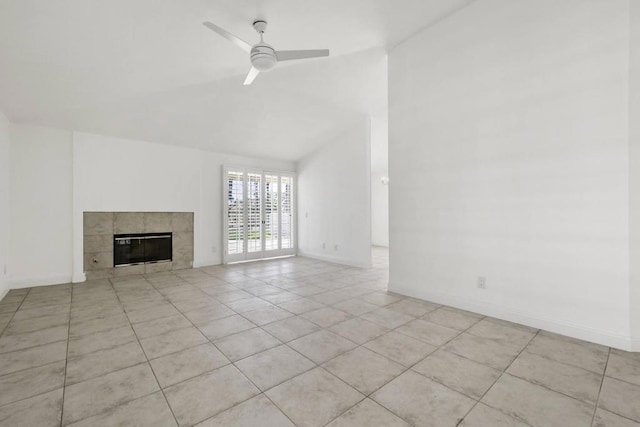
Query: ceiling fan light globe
[263, 57]
[263, 62]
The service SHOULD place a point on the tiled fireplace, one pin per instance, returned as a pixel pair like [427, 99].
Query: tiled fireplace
[103, 229]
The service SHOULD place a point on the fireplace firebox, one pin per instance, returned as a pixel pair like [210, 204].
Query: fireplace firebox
[142, 248]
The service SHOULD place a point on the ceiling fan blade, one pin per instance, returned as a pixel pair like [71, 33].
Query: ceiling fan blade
[251, 76]
[227, 35]
[288, 55]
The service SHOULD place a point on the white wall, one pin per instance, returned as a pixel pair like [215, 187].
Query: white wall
[5, 211]
[41, 185]
[112, 174]
[634, 171]
[379, 210]
[379, 192]
[509, 159]
[334, 200]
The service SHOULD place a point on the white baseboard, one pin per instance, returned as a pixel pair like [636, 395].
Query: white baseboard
[206, 264]
[335, 260]
[30, 282]
[582, 332]
[78, 278]
[3, 293]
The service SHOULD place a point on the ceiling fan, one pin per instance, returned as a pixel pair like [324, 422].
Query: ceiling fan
[264, 57]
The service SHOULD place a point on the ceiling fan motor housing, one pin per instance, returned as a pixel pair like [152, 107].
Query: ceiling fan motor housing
[263, 57]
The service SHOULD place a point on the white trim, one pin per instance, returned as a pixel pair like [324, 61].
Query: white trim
[4, 293]
[262, 259]
[205, 264]
[582, 332]
[78, 278]
[30, 282]
[335, 260]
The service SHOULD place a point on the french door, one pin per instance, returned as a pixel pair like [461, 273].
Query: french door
[259, 218]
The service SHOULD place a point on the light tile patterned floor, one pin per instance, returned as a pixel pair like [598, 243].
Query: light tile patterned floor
[291, 342]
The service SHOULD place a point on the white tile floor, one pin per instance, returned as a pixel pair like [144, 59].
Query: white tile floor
[291, 342]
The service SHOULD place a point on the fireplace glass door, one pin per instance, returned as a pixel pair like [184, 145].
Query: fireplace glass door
[132, 249]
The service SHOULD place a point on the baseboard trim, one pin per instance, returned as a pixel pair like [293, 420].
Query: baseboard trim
[79, 278]
[206, 264]
[30, 282]
[3, 293]
[528, 319]
[335, 260]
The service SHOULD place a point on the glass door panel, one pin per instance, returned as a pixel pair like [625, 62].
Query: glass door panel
[271, 209]
[286, 213]
[235, 215]
[254, 213]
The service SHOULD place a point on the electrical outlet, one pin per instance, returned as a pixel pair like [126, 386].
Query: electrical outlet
[335, 247]
[482, 282]
[214, 249]
[324, 245]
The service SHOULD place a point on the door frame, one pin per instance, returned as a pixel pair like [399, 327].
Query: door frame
[263, 254]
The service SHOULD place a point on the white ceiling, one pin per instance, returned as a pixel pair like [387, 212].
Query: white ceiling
[148, 69]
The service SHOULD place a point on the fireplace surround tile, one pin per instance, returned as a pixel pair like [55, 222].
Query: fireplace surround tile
[100, 227]
[183, 246]
[98, 260]
[98, 223]
[97, 243]
[181, 265]
[157, 222]
[182, 221]
[127, 222]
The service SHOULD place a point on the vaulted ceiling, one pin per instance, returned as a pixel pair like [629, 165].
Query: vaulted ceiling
[148, 69]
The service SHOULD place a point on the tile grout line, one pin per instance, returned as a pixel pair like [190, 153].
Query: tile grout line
[34, 395]
[410, 368]
[622, 381]
[366, 396]
[565, 363]
[164, 298]
[604, 373]
[30, 348]
[24, 298]
[116, 295]
[525, 349]
[316, 365]
[260, 392]
[427, 356]
[504, 371]
[66, 359]
[551, 389]
[145, 354]
[27, 348]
